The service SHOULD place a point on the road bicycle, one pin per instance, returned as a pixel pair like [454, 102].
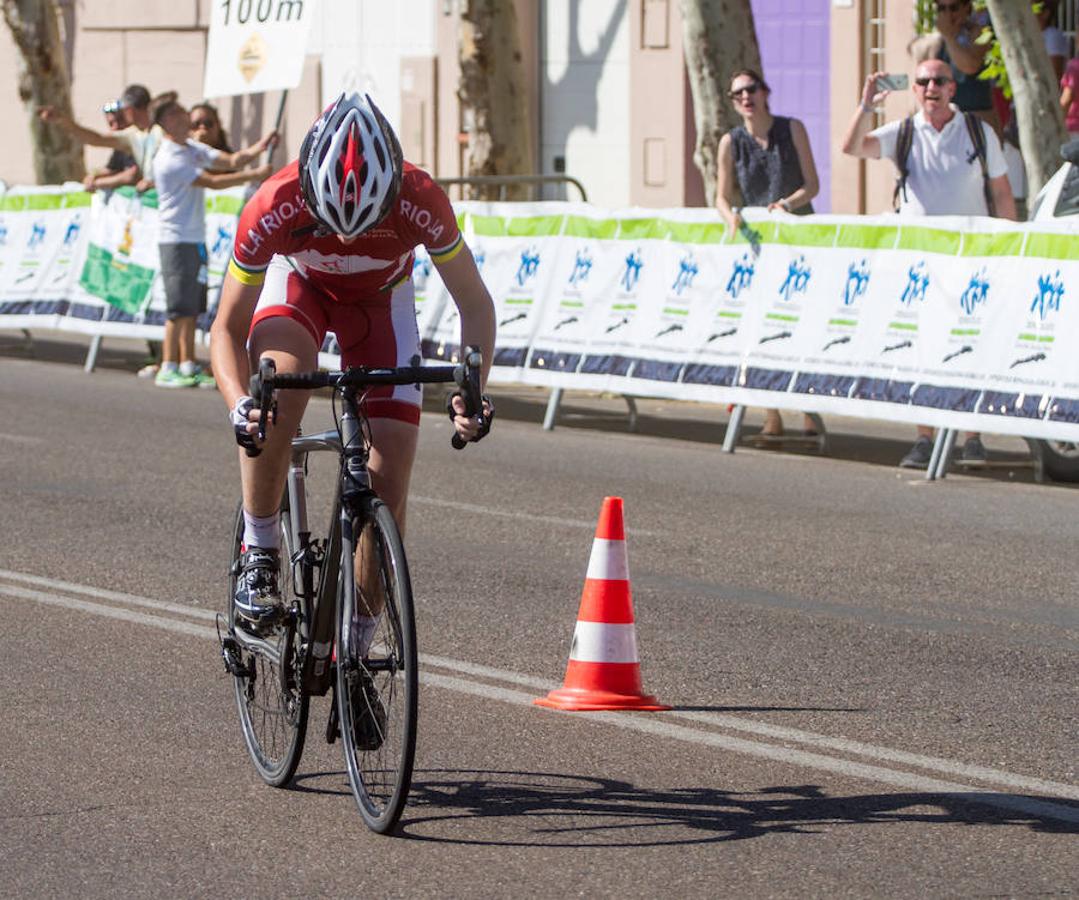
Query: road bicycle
[358, 567]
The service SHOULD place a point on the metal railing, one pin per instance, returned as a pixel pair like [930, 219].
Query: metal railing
[502, 182]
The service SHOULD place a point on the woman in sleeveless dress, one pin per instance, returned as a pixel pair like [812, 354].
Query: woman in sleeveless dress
[767, 159]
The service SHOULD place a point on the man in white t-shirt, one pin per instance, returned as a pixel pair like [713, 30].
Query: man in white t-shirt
[944, 177]
[179, 171]
[140, 138]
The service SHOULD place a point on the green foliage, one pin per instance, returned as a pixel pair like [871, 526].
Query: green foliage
[925, 16]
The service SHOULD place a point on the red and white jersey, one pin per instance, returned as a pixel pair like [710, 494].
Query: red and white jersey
[276, 221]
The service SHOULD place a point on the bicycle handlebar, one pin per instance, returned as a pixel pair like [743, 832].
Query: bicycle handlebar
[466, 375]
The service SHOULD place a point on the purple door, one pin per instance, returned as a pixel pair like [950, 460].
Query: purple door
[795, 53]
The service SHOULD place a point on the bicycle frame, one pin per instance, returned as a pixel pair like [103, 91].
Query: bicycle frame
[353, 482]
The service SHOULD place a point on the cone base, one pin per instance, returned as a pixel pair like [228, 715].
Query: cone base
[577, 700]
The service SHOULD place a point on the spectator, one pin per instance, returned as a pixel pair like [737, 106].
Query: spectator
[206, 127]
[1056, 42]
[179, 170]
[959, 27]
[944, 177]
[770, 161]
[140, 138]
[120, 169]
[1069, 96]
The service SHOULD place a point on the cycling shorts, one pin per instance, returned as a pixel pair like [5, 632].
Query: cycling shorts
[374, 331]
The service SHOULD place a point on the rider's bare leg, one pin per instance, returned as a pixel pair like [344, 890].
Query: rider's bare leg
[393, 450]
[292, 349]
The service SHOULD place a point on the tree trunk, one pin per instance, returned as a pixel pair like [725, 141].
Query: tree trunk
[719, 39]
[493, 96]
[1034, 89]
[43, 81]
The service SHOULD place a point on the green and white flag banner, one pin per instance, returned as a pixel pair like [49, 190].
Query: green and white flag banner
[89, 263]
[968, 323]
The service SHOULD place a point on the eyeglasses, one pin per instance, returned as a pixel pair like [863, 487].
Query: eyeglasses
[951, 7]
[938, 80]
[746, 89]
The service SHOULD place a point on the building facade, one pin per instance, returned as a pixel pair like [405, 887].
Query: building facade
[607, 80]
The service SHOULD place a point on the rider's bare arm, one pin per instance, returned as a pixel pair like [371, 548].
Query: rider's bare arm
[228, 338]
[463, 281]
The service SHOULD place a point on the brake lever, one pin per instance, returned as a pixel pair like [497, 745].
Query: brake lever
[467, 377]
[262, 389]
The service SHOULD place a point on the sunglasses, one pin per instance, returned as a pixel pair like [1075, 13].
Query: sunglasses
[938, 80]
[951, 7]
[748, 89]
[202, 123]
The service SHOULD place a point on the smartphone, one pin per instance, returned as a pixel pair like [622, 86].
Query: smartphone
[893, 82]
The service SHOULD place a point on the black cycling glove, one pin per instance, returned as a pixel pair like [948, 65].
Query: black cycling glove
[489, 406]
[239, 420]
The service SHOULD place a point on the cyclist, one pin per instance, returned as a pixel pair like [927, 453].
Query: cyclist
[326, 244]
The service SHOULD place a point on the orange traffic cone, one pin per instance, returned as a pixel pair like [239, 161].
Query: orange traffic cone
[603, 670]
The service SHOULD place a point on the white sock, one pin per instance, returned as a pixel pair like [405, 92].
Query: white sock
[262, 531]
[189, 367]
[168, 367]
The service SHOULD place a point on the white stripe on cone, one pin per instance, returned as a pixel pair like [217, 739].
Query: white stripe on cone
[608, 560]
[600, 642]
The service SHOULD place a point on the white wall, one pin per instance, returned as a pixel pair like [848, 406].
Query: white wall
[585, 115]
[362, 43]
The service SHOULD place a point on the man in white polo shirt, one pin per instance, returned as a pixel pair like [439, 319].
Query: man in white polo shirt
[944, 173]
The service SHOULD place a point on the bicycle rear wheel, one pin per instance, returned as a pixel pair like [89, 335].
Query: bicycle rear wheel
[272, 706]
[376, 693]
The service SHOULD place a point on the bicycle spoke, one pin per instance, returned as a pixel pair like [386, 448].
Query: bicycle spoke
[273, 720]
[378, 724]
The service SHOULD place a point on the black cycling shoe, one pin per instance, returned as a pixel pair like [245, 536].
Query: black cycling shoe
[368, 713]
[258, 596]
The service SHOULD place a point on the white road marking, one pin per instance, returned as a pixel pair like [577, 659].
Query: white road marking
[512, 514]
[657, 725]
[117, 596]
[20, 438]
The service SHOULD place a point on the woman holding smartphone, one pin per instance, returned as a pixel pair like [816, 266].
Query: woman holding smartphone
[769, 159]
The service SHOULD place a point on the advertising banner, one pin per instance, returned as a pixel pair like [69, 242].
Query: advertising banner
[89, 263]
[966, 323]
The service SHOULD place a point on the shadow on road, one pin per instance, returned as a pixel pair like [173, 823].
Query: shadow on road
[556, 810]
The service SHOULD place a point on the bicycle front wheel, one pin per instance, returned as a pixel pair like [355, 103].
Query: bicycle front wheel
[266, 678]
[376, 677]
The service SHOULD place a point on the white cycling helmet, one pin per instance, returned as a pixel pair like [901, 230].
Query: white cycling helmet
[350, 166]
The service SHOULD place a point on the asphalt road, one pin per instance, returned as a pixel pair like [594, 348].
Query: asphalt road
[874, 678]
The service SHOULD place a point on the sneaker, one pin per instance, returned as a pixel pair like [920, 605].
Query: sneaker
[205, 380]
[973, 453]
[150, 370]
[918, 455]
[368, 713]
[258, 596]
[172, 378]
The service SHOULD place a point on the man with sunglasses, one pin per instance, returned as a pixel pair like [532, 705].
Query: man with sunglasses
[944, 175]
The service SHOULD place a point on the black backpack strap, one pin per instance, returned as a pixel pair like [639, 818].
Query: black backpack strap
[977, 138]
[903, 144]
